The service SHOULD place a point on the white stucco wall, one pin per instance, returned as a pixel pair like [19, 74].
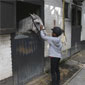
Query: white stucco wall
[83, 22]
[68, 34]
[53, 11]
[5, 57]
[68, 27]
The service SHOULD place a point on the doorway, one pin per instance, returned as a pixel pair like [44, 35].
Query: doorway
[76, 26]
[27, 52]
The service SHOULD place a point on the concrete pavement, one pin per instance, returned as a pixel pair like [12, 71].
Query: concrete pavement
[79, 77]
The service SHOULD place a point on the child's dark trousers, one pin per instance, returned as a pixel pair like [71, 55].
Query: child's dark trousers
[55, 72]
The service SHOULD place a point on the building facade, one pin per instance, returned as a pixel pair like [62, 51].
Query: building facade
[21, 59]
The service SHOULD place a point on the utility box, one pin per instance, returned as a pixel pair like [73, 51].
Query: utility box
[7, 16]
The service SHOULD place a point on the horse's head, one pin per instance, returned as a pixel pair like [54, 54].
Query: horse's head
[31, 23]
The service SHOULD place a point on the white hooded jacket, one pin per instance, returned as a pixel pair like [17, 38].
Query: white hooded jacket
[55, 45]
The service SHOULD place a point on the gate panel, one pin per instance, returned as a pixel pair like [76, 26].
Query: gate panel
[27, 58]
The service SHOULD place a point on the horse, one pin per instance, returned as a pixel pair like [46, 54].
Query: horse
[31, 23]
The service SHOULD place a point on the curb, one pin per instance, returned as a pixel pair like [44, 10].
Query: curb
[67, 82]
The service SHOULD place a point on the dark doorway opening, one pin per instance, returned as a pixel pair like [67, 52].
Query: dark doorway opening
[76, 26]
[24, 9]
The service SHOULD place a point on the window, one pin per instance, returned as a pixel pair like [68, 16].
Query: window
[7, 16]
[66, 11]
[78, 2]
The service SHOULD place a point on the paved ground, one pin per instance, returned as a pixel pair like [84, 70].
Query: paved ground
[43, 80]
[78, 79]
[80, 57]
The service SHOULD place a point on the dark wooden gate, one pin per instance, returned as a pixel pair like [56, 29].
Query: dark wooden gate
[76, 27]
[28, 60]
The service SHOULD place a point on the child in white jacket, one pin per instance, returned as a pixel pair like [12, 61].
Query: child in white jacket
[55, 47]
